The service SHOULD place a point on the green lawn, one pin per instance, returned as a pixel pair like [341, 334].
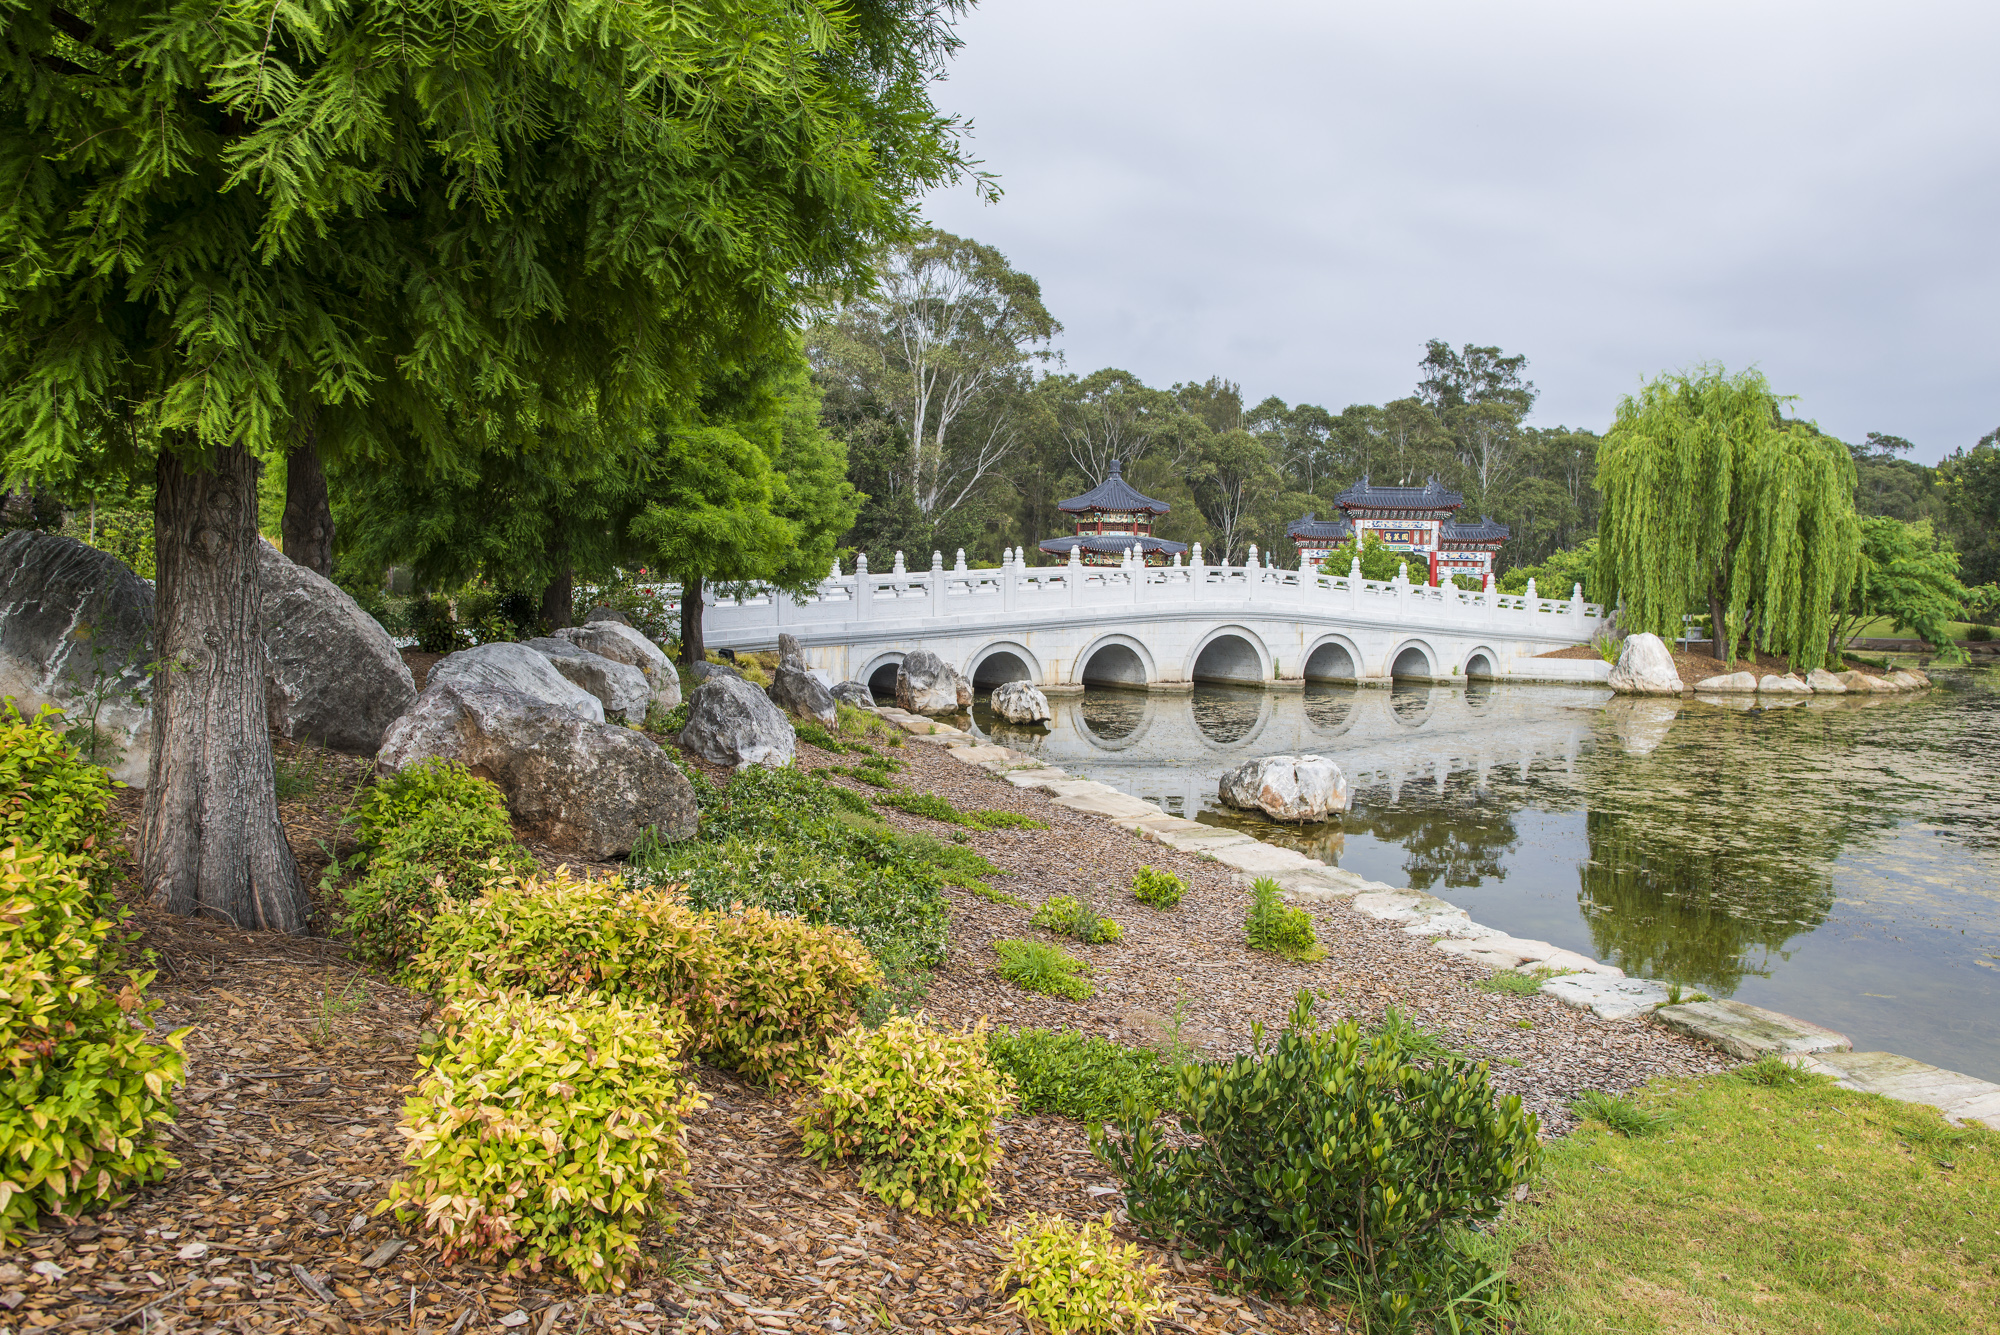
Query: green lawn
[1800, 1208]
[1881, 628]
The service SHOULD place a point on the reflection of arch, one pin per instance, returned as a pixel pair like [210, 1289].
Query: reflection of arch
[1482, 662]
[1410, 704]
[880, 674]
[1003, 660]
[1230, 653]
[1330, 713]
[1210, 707]
[1333, 658]
[1114, 722]
[1115, 660]
[1479, 695]
[1413, 659]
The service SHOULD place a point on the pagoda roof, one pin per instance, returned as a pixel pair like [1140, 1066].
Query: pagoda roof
[1363, 495]
[1114, 493]
[1314, 527]
[1106, 544]
[1486, 530]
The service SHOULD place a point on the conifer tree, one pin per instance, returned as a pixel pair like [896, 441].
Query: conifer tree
[220, 219]
[1711, 496]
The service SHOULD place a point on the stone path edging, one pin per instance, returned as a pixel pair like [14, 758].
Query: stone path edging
[1577, 980]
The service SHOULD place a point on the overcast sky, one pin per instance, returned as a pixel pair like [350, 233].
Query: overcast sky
[1297, 195]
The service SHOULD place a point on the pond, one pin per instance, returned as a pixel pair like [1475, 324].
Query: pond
[1837, 859]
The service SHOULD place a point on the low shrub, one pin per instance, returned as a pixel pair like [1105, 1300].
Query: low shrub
[852, 721]
[933, 807]
[810, 732]
[82, 1085]
[1161, 889]
[1330, 1163]
[915, 1104]
[1977, 634]
[1073, 1075]
[1072, 917]
[1037, 966]
[1621, 1115]
[760, 992]
[50, 794]
[1076, 1279]
[546, 1130]
[1277, 927]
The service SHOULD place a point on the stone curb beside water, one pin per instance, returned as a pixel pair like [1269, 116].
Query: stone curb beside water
[1741, 1030]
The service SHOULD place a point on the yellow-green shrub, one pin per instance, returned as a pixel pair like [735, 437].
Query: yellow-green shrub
[547, 1130]
[915, 1104]
[761, 993]
[1161, 889]
[1069, 915]
[81, 1085]
[1076, 1278]
[49, 794]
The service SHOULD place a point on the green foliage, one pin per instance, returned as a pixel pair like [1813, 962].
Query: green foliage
[1076, 1279]
[637, 594]
[1082, 1076]
[1558, 574]
[933, 807]
[1774, 1072]
[1037, 966]
[810, 732]
[1712, 497]
[547, 1130]
[1906, 575]
[431, 835]
[123, 531]
[435, 626]
[916, 1105]
[1512, 984]
[1072, 917]
[1330, 1163]
[1161, 889]
[1979, 634]
[49, 794]
[1277, 927]
[1379, 561]
[82, 1083]
[857, 722]
[1624, 1116]
[760, 993]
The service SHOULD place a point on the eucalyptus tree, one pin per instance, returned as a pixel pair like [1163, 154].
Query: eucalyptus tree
[1480, 397]
[1710, 496]
[224, 221]
[1106, 415]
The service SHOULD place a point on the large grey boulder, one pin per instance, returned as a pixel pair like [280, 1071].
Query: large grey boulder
[332, 675]
[705, 672]
[1020, 702]
[574, 784]
[926, 684]
[603, 613]
[790, 652]
[798, 692]
[516, 667]
[855, 693]
[1728, 683]
[621, 688]
[730, 722]
[1287, 788]
[76, 632]
[622, 644]
[1645, 667]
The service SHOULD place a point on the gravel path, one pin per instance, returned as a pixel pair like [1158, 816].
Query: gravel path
[1539, 1048]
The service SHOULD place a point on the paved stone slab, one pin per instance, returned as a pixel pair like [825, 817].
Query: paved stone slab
[1041, 779]
[1112, 805]
[1606, 997]
[1418, 914]
[1747, 1031]
[1206, 839]
[980, 755]
[1959, 1097]
[1148, 826]
[1575, 963]
[1310, 884]
[1499, 950]
[1261, 859]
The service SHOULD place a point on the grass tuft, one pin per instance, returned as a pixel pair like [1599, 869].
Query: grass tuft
[1036, 966]
[1624, 1116]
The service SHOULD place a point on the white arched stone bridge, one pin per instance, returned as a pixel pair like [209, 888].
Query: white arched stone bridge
[1162, 627]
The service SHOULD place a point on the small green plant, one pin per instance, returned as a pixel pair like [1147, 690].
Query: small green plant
[1621, 1115]
[812, 733]
[668, 722]
[1179, 1050]
[1161, 889]
[1607, 645]
[933, 807]
[915, 1104]
[1082, 1076]
[1773, 1071]
[1399, 1032]
[1037, 966]
[1677, 995]
[1077, 1279]
[1072, 917]
[1977, 634]
[852, 721]
[1508, 983]
[298, 774]
[547, 1130]
[1277, 927]
[872, 772]
[333, 1005]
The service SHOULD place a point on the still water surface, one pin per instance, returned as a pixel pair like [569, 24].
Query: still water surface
[1838, 860]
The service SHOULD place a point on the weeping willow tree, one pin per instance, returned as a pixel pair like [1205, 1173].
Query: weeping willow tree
[1711, 496]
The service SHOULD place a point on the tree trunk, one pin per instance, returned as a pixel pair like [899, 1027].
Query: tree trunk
[692, 649]
[211, 842]
[308, 522]
[558, 600]
[1718, 634]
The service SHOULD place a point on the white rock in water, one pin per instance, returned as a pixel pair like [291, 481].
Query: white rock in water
[926, 684]
[1772, 684]
[1288, 788]
[1645, 667]
[1908, 681]
[1020, 702]
[1642, 725]
[1728, 682]
[1825, 683]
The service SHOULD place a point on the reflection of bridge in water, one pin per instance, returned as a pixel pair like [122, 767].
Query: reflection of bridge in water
[1173, 749]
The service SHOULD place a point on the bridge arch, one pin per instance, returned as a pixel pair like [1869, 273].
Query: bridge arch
[1115, 660]
[1413, 658]
[1332, 658]
[1230, 654]
[1003, 661]
[880, 674]
[1481, 662]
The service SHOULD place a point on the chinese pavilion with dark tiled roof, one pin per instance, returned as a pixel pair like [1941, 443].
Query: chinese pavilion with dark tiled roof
[1113, 519]
[1419, 520]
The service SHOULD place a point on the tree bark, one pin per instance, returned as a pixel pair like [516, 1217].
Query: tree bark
[308, 522]
[212, 843]
[1718, 635]
[559, 594]
[692, 649]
